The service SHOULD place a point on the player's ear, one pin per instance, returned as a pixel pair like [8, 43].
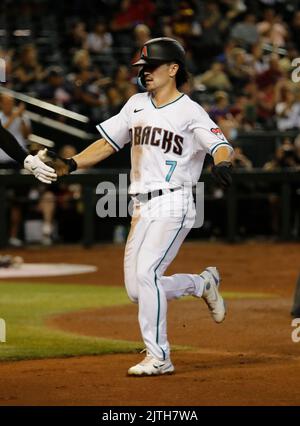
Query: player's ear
[173, 69]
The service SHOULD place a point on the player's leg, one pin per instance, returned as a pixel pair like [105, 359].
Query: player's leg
[178, 285]
[139, 227]
[161, 243]
[134, 241]
[204, 285]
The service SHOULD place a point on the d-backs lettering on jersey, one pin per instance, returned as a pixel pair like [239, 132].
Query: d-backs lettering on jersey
[168, 143]
[155, 136]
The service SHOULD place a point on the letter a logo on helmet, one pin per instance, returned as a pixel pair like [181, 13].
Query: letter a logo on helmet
[144, 53]
[161, 50]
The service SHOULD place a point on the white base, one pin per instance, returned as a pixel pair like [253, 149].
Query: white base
[45, 270]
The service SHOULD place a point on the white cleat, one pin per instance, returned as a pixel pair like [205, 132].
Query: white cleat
[211, 294]
[151, 366]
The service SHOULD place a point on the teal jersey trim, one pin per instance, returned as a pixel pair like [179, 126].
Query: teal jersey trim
[157, 289]
[170, 103]
[115, 145]
[221, 143]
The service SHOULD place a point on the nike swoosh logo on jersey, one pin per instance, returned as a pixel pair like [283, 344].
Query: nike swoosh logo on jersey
[138, 110]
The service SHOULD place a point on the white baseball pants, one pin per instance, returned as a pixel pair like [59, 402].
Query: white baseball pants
[153, 242]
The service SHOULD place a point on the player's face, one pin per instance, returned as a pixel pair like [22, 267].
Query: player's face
[157, 76]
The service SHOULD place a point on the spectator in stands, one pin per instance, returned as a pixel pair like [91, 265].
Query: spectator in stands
[226, 55]
[129, 91]
[185, 26]
[215, 78]
[115, 100]
[7, 56]
[240, 68]
[240, 160]
[284, 157]
[89, 98]
[272, 29]
[245, 32]
[56, 90]
[69, 204]
[267, 93]
[266, 102]
[167, 29]
[272, 75]
[82, 60]
[213, 25]
[15, 120]
[244, 111]
[288, 112]
[233, 9]
[142, 34]
[132, 12]
[221, 106]
[258, 59]
[28, 72]
[100, 40]
[76, 38]
[46, 206]
[285, 62]
[122, 77]
[229, 126]
[295, 29]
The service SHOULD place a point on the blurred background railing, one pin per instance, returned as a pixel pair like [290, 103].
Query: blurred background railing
[259, 204]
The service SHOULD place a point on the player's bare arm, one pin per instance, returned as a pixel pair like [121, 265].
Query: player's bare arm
[89, 157]
[93, 154]
[222, 154]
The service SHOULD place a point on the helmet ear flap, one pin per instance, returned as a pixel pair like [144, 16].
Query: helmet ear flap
[141, 80]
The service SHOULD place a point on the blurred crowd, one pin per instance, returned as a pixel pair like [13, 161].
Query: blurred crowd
[241, 56]
[239, 53]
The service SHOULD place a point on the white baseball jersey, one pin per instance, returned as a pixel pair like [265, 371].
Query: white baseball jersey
[169, 143]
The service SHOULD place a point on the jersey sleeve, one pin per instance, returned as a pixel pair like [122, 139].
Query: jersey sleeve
[11, 147]
[115, 130]
[207, 135]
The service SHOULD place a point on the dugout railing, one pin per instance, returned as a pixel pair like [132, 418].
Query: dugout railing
[284, 183]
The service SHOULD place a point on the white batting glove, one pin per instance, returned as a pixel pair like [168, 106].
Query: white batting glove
[40, 170]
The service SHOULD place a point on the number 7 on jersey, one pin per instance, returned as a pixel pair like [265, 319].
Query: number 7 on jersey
[173, 164]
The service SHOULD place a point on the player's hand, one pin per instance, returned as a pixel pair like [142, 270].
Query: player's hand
[20, 110]
[40, 170]
[62, 166]
[222, 173]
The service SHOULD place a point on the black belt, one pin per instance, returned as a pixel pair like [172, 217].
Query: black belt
[157, 193]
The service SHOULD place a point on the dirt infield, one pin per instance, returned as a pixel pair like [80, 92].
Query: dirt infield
[250, 359]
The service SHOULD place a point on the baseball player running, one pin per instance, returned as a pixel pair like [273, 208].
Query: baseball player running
[170, 136]
[31, 163]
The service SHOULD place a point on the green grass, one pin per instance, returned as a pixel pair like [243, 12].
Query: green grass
[247, 295]
[26, 307]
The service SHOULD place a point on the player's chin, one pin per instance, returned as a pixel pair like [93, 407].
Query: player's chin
[150, 85]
